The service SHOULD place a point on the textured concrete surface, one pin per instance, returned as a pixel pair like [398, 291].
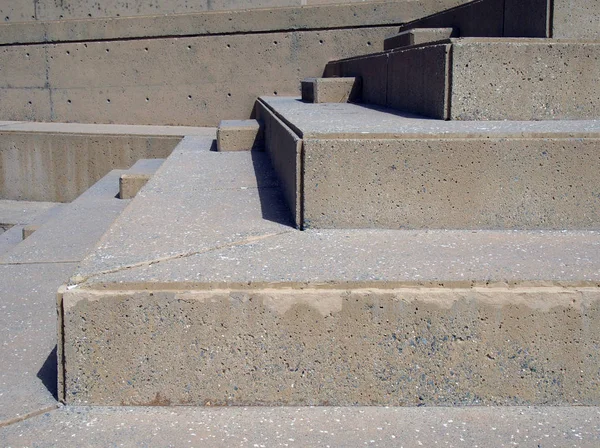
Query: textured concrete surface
[208, 197]
[331, 90]
[155, 81]
[487, 79]
[92, 213]
[317, 17]
[576, 19]
[284, 149]
[299, 427]
[329, 346]
[137, 176]
[58, 167]
[484, 183]
[239, 135]
[418, 36]
[10, 238]
[23, 212]
[27, 332]
[352, 121]
[368, 168]
[524, 80]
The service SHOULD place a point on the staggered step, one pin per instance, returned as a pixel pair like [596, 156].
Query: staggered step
[483, 79]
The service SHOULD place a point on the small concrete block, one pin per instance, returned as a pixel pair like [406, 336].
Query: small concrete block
[29, 229]
[331, 90]
[239, 135]
[418, 36]
[131, 183]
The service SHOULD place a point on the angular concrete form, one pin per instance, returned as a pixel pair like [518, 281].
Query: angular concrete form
[418, 36]
[57, 162]
[261, 313]
[367, 168]
[485, 79]
[331, 90]
[239, 135]
[138, 175]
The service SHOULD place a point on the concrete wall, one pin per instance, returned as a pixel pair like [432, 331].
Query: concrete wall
[29, 10]
[59, 167]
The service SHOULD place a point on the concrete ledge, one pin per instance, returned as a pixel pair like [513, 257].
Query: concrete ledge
[418, 36]
[331, 90]
[489, 346]
[239, 135]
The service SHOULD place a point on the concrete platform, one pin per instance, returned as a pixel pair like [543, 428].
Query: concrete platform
[231, 306]
[301, 427]
[484, 79]
[365, 167]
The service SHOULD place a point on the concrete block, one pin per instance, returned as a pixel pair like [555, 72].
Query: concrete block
[29, 229]
[524, 79]
[239, 135]
[418, 81]
[284, 147]
[131, 184]
[418, 36]
[372, 70]
[331, 90]
[335, 346]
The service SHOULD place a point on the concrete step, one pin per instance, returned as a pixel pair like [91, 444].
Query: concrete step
[330, 90]
[56, 241]
[350, 166]
[230, 305]
[59, 161]
[418, 36]
[484, 79]
[137, 176]
[239, 135]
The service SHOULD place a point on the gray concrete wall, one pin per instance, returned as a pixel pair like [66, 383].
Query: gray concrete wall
[30, 10]
[60, 167]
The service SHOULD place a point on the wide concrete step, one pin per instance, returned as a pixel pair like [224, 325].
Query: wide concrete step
[484, 79]
[351, 166]
[418, 36]
[229, 304]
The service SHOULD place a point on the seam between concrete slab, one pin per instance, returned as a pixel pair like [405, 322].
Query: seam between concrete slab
[29, 415]
[25, 263]
[287, 122]
[76, 280]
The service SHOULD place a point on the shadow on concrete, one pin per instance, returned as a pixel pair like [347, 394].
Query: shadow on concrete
[48, 374]
[272, 202]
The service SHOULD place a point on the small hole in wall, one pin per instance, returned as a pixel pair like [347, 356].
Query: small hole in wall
[68, 101]
[275, 42]
[189, 47]
[7, 18]
[108, 100]
[369, 44]
[29, 102]
[68, 53]
[229, 95]
[147, 99]
[26, 55]
[89, 15]
[189, 97]
[321, 41]
[275, 93]
[108, 50]
[146, 49]
[228, 46]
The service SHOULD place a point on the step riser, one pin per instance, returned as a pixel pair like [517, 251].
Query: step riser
[430, 346]
[456, 183]
[484, 80]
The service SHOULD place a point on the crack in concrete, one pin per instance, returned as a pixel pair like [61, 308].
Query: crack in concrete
[27, 416]
[77, 280]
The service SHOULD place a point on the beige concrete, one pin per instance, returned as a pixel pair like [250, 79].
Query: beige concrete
[156, 81]
[331, 90]
[514, 183]
[525, 80]
[314, 17]
[331, 346]
[418, 36]
[239, 135]
[131, 184]
[486, 79]
[576, 19]
[387, 427]
[284, 148]
[29, 229]
[58, 167]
